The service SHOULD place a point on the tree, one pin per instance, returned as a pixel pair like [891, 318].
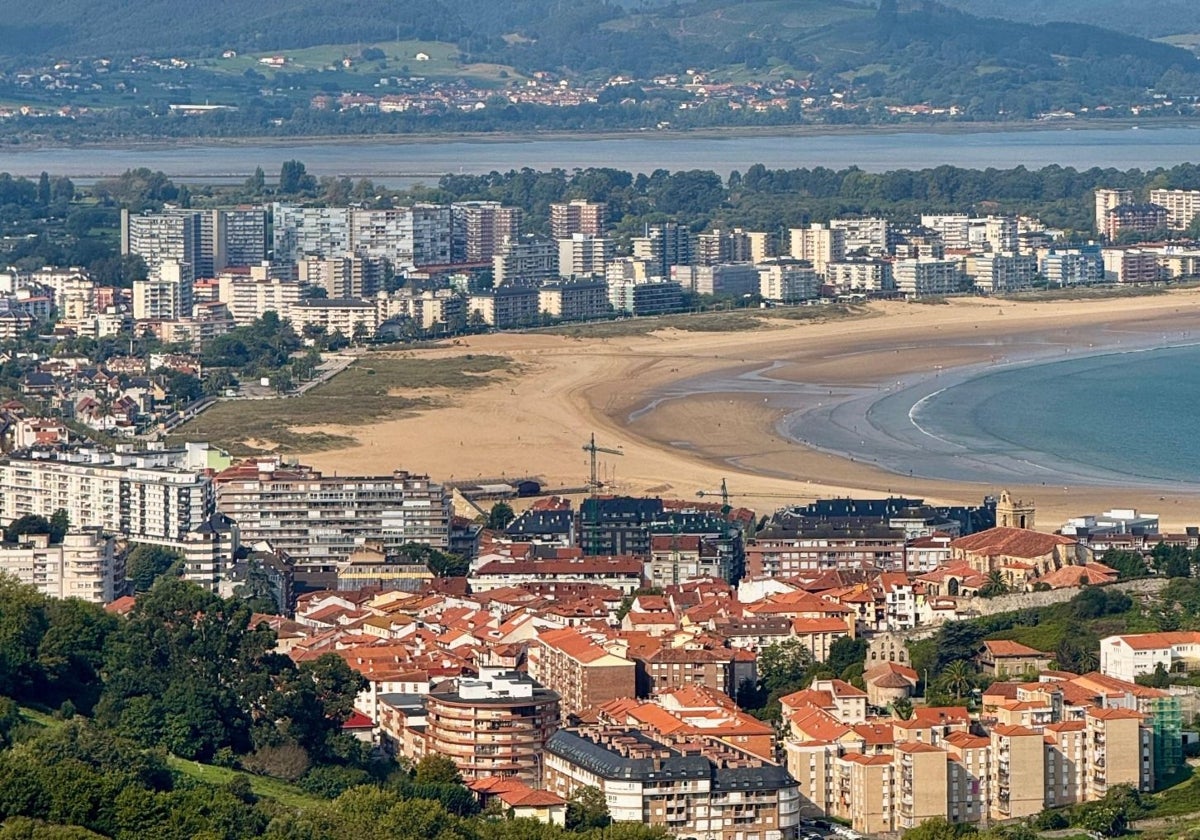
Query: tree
[958, 678]
[586, 809]
[783, 665]
[938, 828]
[294, 178]
[147, 563]
[902, 708]
[1171, 560]
[1160, 678]
[845, 652]
[436, 770]
[995, 585]
[60, 523]
[28, 524]
[500, 516]
[1129, 564]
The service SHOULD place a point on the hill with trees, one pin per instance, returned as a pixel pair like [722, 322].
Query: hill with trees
[904, 51]
[1171, 17]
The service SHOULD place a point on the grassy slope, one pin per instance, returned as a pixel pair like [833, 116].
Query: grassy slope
[375, 387]
[263, 786]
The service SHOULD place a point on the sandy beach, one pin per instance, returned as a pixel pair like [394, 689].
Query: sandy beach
[690, 408]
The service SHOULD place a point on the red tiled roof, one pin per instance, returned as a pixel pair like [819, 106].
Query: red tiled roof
[1011, 542]
[1005, 647]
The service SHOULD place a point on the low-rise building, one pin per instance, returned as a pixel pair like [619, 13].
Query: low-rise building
[351, 317]
[505, 307]
[579, 300]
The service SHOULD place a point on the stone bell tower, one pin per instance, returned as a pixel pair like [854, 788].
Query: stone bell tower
[1014, 514]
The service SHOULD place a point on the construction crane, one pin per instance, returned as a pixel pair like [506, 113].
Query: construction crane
[726, 495]
[591, 448]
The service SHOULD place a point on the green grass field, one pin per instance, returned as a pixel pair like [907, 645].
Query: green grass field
[263, 786]
[442, 62]
[375, 387]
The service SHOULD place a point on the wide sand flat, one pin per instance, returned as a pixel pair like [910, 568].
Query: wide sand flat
[661, 398]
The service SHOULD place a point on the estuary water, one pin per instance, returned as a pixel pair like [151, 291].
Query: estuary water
[408, 160]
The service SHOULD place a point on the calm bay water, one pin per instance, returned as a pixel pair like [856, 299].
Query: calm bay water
[1135, 414]
[403, 163]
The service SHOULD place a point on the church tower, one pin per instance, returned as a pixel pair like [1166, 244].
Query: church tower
[1014, 514]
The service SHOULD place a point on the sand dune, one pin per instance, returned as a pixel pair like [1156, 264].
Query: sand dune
[653, 396]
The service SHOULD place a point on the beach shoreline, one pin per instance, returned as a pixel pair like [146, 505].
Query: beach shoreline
[535, 423]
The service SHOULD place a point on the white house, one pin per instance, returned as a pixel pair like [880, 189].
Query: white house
[1128, 657]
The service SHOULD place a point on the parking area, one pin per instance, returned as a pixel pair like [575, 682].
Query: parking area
[819, 829]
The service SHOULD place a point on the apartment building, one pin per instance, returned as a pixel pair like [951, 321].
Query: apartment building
[1000, 234]
[319, 519]
[1018, 783]
[1182, 206]
[718, 247]
[481, 228]
[575, 300]
[161, 237]
[868, 236]
[787, 281]
[499, 724]
[407, 237]
[1073, 266]
[925, 276]
[860, 276]
[1132, 764]
[583, 673]
[622, 573]
[527, 262]
[790, 548]
[249, 296]
[145, 496]
[675, 558]
[589, 218]
[506, 307]
[719, 669]
[954, 230]
[727, 280]
[343, 277]
[302, 231]
[584, 255]
[432, 309]
[1000, 273]
[1130, 265]
[85, 565]
[241, 237]
[703, 788]
[1106, 200]
[1142, 219]
[650, 297]
[165, 297]
[818, 244]
[663, 246]
[349, 317]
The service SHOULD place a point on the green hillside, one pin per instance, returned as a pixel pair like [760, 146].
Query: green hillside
[889, 51]
[1170, 17]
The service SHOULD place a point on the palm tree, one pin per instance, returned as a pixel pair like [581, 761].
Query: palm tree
[902, 708]
[995, 585]
[957, 678]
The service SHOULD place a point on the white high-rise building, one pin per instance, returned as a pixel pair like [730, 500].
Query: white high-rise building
[925, 276]
[1107, 200]
[1182, 206]
[406, 236]
[787, 281]
[145, 496]
[869, 235]
[953, 228]
[583, 255]
[85, 565]
[300, 231]
[819, 245]
[167, 297]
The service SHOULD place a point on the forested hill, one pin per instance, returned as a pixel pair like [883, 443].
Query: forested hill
[903, 50]
[1170, 17]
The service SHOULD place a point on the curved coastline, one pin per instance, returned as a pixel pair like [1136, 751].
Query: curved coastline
[893, 425]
